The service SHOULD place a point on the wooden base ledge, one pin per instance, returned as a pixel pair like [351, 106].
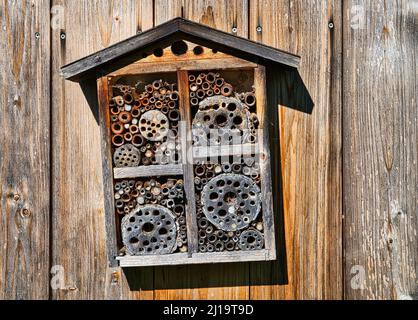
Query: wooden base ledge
[196, 258]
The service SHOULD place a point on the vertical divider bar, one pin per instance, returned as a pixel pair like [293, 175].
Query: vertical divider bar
[185, 135]
[112, 231]
[265, 168]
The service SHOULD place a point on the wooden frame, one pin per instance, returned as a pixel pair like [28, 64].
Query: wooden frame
[110, 173]
[129, 50]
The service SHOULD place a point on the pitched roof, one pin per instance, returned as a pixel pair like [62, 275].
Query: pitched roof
[127, 51]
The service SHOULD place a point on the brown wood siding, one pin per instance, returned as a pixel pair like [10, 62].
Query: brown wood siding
[348, 169]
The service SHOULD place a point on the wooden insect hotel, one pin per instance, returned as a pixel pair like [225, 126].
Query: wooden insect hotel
[188, 164]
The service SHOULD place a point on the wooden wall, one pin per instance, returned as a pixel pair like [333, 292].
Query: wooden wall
[349, 169]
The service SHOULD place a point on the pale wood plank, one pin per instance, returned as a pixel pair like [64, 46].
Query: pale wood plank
[79, 238]
[264, 159]
[380, 150]
[223, 150]
[186, 140]
[180, 64]
[310, 149]
[148, 171]
[25, 150]
[214, 281]
[194, 258]
[104, 95]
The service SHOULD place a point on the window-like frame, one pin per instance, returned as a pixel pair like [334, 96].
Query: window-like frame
[182, 68]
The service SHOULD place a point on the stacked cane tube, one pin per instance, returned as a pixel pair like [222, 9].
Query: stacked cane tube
[145, 118]
[214, 236]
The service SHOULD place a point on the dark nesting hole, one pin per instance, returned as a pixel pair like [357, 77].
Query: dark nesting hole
[213, 196]
[222, 213]
[134, 240]
[118, 139]
[237, 120]
[251, 240]
[250, 100]
[158, 52]
[163, 231]
[230, 197]
[147, 227]
[220, 119]
[198, 50]
[232, 107]
[206, 118]
[179, 48]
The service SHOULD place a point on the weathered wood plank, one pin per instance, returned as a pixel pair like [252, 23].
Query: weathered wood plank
[194, 258]
[380, 150]
[264, 158]
[79, 242]
[186, 145]
[225, 150]
[180, 64]
[310, 146]
[205, 281]
[148, 171]
[103, 96]
[25, 150]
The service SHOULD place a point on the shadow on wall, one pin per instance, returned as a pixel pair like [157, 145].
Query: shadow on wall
[285, 88]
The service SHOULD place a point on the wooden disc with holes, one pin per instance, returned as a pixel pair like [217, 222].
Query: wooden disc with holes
[231, 201]
[149, 230]
[127, 156]
[154, 125]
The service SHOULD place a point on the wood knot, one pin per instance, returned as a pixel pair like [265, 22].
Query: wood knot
[25, 213]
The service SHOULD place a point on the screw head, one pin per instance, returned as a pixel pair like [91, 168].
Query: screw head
[63, 35]
[331, 25]
[259, 28]
[234, 30]
[37, 35]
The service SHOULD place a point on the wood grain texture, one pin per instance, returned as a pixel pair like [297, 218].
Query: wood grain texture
[265, 160]
[78, 240]
[310, 146]
[187, 163]
[111, 225]
[374, 118]
[380, 150]
[177, 29]
[24, 151]
[205, 281]
[147, 171]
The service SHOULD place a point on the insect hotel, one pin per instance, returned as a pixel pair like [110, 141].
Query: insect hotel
[188, 162]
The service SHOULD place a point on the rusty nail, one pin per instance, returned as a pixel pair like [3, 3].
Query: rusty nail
[115, 277]
[16, 197]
